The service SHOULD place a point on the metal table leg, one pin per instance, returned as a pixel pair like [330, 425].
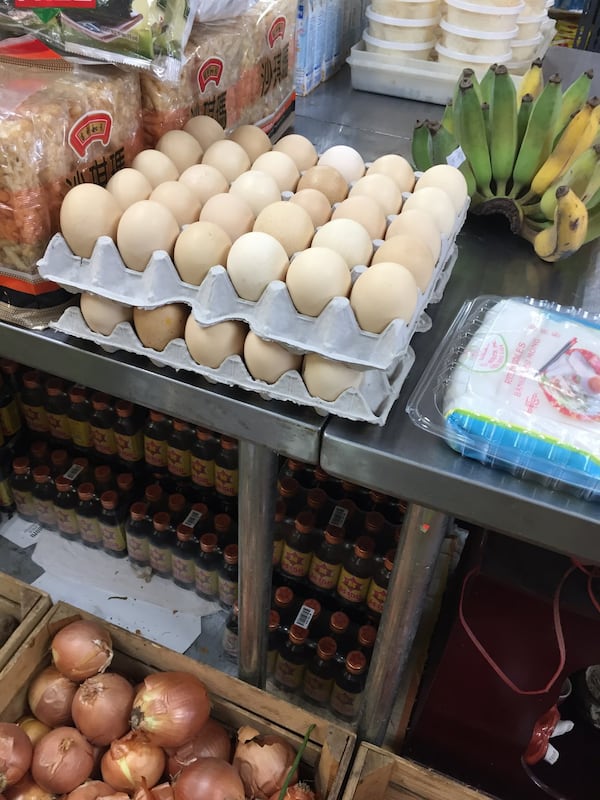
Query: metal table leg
[256, 509]
[423, 532]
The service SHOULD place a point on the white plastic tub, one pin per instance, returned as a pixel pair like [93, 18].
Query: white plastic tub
[398, 50]
[397, 29]
[475, 43]
[407, 9]
[477, 17]
[525, 49]
[459, 60]
[533, 7]
[529, 26]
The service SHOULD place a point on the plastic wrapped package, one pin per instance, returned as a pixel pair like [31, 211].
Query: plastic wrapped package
[211, 10]
[237, 70]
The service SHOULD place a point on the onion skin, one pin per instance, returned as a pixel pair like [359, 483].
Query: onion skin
[163, 791]
[27, 789]
[213, 741]
[16, 753]
[33, 728]
[170, 708]
[101, 707]
[263, 762]
[130, 759]
[81, 649]
[90, 790]
[50, 695]
[299, 791]
[62, 760]
[209, 779]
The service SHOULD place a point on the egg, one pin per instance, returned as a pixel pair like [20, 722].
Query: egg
[212, 344]
[199, 247]
[315, 276]
[365, 210]
[417, 222]
[230, 212]
[448, 178]
[437, 204]
[346, 160]
[204, 181]
[145, 226]
[179, 199]
[395, 167]
[382, 189]
[327, 180]
[328, 379]
[87, 212]
[101, 314]
[128, 186]
[156, 166]
[281, 167]
[205, 130]
[290, 224]
[315, 202]
[257, 189]
[268, 361]
[410, 251]
[256, 259]
[384, 292]
[348, 238]
[300, 149]
[228, 157]
[253, 139]
[156, 327]
[181, 147]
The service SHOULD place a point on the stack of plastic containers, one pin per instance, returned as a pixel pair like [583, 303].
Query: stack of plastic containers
[529, 35]
[402, 28]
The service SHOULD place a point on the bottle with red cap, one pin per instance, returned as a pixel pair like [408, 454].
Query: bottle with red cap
[21, 484]
[227, 581]
[291, 660]
[226, 475]
[300, 471]
[225, 529]
[320, 672]
[177, 510]
[102, 422]
[33, 402]
[290, 492]
[356, 572]
[202, 463]
[156, 432]
[39, 453]
[57, 407]
[367, 634]
[78, 414]
[199, 519]
[280, 527]
[378, 587]
[112, 525]
[206, 568]
[43, 497]
[88, 511]
[359, 494]
[65, 501]
[348, 687]
[326, 563]
[103, 479]
[155, 498]
[284, 603]
[298, 547]
[332, 486]
[319, 504]
[339, 630]
[59, 461]
[79, 471]
[375, 527]
[126, 490]
[160, 553]
[138, 530]
[179, 444]
[182, 558]
[129, 436]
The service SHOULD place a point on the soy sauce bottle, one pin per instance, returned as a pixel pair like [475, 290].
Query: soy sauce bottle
[138, 531]
[206, 572]
[291, 660]
[326, 563]
[102, 422]
[182, 558]
[160, 545]
[57, 406]
[78, 415]
[33, 402]
[129, 436]
[273, 641]
[88, 511]
[202, 465]
[43, 497]
[320, 672]
[228, 577]
[179, 445]
[156, 432]
[285, 606]
[298, 547]
[378, 587]
[367, 634]
[355, 575]
[111, 525]
[64, 508]
[348, 687]
[280, 528]
[226, 474]
[21, 484]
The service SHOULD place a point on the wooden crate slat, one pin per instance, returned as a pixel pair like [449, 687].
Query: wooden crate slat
[27, 604]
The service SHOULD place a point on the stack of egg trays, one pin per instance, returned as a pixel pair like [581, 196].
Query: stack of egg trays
[385, 358]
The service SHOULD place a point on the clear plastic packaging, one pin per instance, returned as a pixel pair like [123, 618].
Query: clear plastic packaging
[399, 50]
[515, 384]
[398, 29]
[478, 43]
[454, 58]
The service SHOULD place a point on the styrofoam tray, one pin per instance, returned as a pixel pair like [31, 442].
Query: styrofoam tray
[370, 402]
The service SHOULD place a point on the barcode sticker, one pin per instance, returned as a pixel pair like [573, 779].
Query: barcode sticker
[338, 516]
[192, 519]
[304, 616]
[73, 472]
[456, 157]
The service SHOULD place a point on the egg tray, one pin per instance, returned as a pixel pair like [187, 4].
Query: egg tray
[335, 333]
[370, 402]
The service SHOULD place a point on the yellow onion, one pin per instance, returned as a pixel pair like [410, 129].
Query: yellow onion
[50, 695]
[33, 728]
[15, 754]
[299, 791]
[208, 779]
[62, 760]
[81, 649]
[213, 741]
[162, 791]
[27, 789]
[90, 790]
[131, 758]
[263, 762]
[101, 707]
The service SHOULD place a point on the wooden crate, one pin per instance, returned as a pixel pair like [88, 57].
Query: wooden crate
[27, 604]
[378, 774]
[234, 703]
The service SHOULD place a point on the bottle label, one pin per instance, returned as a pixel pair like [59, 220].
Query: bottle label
[24, 503]
[338, 517]
[103, 440]
[36, 418]
[138, 548]
[344, 703]
[58, 425]
[317, 688]
[66, 519]
[352, 588]
[304, 616]
[155, 452]
[230, 643]
[277, 551]
[226, 481]
[89, 529]
[6, 494]
[203, 471]
[376, 597]
[10, 419]
[81, 433]
[228, 591]
[295, 563]
[323, 574]
[44, 510]
[206, 582]
[160, 559]
[178, 462]
[287, 674]
[113, 537]
[130, 447]
[183, 570]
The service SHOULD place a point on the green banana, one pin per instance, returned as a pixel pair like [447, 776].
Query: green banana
[573, 99]
[485, 110]
[469, 74]
[523, 115]
[486, 84]
[448, 117]
[578, 177]
[592, 188]
[503, 128]
[470, 132]
[443, 145]
[537, 141]
[421, 146]
[593, 230]
[532, 82]
[568, 231]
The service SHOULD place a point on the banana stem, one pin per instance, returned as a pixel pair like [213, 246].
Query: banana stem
[532, 209]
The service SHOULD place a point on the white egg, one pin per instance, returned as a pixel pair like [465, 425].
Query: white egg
[256, 259]
[87, 212]
[210, 345]
[328, 379]
[448, 178]
[300, 149]
[205, 130]
[348, 238]
[204, 181]
[384, 292]
[179, 199]
[410, 251]
[230, 212]
[228, 157]
[268, 361]
[281, 167]
[257, 189]
[437, 203]
[315, 276]
[145, 226]
[101, 314]
[181, 147]
[417, 222]
[199, 247]
[253, 139]
[156, 166]
[380, 188]
[128, 186]
[395, 167]
[287, 222]
[346, 160]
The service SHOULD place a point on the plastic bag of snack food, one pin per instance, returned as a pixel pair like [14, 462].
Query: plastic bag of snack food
[211, 10]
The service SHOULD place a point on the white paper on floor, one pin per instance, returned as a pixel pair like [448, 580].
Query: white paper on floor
[20, 532]
[109, 588]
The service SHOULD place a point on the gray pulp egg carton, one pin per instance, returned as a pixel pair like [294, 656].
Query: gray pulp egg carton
[370, 402]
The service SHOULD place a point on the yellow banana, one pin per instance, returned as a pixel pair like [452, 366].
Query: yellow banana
[532, 82]
[582, 176]
[568, 231]
[574, 98]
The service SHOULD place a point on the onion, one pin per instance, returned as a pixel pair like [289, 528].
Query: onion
[171, 708]
[213, 741]
[15, 754]
[299, 791]
[50, 695]
[90, 790]
[27, 789]
[164, 791]
[33, 728]
[62, 760]
[102, 706]
[263, 762]
[209, 779]
[130, 759]
[81, 649]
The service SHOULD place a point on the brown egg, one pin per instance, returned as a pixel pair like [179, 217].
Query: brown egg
[199, 247]
[328, 379]
[179, 199]
[365, 210]
[254, 260]
[348, 238]
[228, 157]
[395, 167]
[101, 314]
[204, 181]
[315, 276]
[205, 130]
[230, 212]
[87, 212]
[384, 292]
[315, 202]
[128, 186]
[382, 189]
[327, 180]
[289, 223]
[268, 361]
[281, 167]
[145, 226]
[300, 149]
[181, 147]
[410, 251]
[156, 327]
[417, 222]
[156, 166]
[210, 345]
[257, 189]
[253, 139]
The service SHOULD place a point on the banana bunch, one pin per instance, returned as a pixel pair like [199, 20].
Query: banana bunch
[532, 153]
